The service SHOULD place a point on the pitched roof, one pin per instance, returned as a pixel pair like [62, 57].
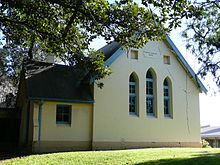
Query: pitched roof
[53, 82]
[114, 50]
[186, 65]
[210, 132]
[109, 49]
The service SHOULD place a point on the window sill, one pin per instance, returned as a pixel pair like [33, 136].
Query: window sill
[168, 117]
[133, 114]
[151, 115]
[63, 124]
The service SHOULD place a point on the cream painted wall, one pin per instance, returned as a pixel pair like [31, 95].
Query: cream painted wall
[112, 122]
[80, 128]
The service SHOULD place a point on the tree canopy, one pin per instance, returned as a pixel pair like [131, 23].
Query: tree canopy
[33, 29]
[65, 28]
[203, 36]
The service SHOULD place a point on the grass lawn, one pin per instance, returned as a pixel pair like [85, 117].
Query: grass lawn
[152, 156]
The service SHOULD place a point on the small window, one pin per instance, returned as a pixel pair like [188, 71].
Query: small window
[132, 95]
[134, 54]
[166, 60]
[63, 115]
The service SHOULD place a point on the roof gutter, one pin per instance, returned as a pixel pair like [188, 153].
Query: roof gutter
[186, 65]
[115, 55]
[61, 100]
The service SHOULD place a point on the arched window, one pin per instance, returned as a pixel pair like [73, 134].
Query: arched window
[167, 98]
[150, 98]
[132, 95]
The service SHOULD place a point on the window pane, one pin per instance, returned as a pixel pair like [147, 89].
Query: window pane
[132, 79]
[63, 114]
[166, 91]
[132, 94]
[165, 83]
[132, 108]
[66, 118]
[149, 105]
[149, 93]
[66, 108]
[166, 94]
[132, 89]
[59, 117]
[132, 103]
[149, 74]
[59, 109]
[149, 89]
[166, 106]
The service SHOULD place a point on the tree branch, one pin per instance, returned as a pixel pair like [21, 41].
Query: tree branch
[4, 19]
[216, 4]
[30, 51]
[72, 18]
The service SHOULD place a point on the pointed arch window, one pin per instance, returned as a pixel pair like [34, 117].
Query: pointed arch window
[167, 98]
[150, 98]
[132, 95]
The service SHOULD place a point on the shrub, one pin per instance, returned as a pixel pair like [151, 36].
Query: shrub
[205, 144]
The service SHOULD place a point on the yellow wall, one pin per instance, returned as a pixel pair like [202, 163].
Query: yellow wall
[54, 135]
[112, 122]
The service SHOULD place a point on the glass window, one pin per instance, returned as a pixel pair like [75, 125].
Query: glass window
[132, 95]
[150, 94]
[166, 94]
[63, 114]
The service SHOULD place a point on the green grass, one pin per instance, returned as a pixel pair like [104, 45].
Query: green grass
[150, 156]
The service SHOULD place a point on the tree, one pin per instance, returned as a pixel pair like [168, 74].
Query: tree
[10, 66]
[203, 36]
[66, 28]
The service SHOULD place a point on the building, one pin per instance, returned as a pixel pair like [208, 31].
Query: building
[150, 100]
[211, 134]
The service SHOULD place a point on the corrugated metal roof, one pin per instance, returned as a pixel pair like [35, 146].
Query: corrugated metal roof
[211, 132]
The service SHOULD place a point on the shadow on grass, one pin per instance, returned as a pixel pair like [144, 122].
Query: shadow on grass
[10, 150]
[199, 159]
[11, 155]
[13, 151]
